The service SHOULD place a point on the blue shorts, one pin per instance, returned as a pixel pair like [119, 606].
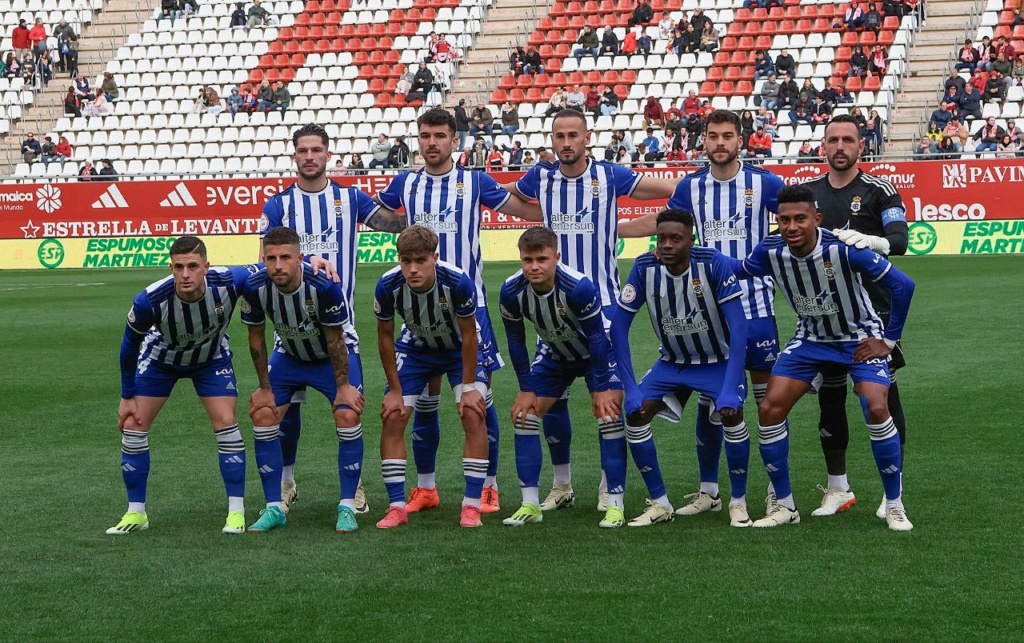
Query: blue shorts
[289, 376]
[355, 368]
[490, 358]
[673, 383]
[762, 344]
[216, 379]
[416, 368]
[803, 360]
[551, 378]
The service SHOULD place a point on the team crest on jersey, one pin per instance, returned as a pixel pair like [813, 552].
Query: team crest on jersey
[264, 222]
[628, 294]
[560, 307]
[698, 289]
[311, 308]
[337, 208]
[830, 272]
[442, 303]
[218, 307]
[855, 205]
[748, 197]
[460, 190]
[595, 187]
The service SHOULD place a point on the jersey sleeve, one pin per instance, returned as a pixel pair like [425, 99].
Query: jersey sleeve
[771, 186]
[529, 184]
[383, 301]
[391, 196]
[492, 195]
[141, 316]
[365, 206]
[891, 208]
[633, 294]
[756, 264]
[680, 198]
[508, 304]
[273, 215]
[465, 297]
[625, 179]
[584, 300]
[868, 263]
[726, 285]
[333, 311]
[252, 310]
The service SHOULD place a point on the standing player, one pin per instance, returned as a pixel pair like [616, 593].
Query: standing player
[867, 212]
[440, 336]
[837, 330]
[695, 306]
[179, 325]
[732, 203]
[447, 199]
[309, 314]
[325, 215]
[565, 310]
[578, 197]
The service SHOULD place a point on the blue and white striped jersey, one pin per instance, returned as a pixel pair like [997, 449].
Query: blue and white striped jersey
[584, 211]
[449, 204]
[298, 317]
[826, 288]
[431, 322]
[684, 309]
[326, 222]
[732, 217]
[182, 333]
[559, 315]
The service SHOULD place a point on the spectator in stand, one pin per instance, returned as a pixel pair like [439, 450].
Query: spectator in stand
[495, 160]
[71, 104]
[760, 144]
[48, 151]
[257, 16]
[515, 155]
[873, 19]
[67, 52]
[853, 19]
[769, 97]
[642, 14]
[694, 129]
[766, 121]
[654, 115]
[673, 122]
[87, 172]
[843, 95]
[763, 65]
[1003, 63]
[234, 101]
[894, 8]
[63, 32]
[967, 58]
[789, 93]
[404, 84]
[381, 151]
[422, 83]
[934, 135]
[952, 98]
[691, 104]
[189, 8]
[482, 121]
[45, 69]
[281, 99]
[830, 94]
[875, 126]
[747, 126]
[237, 17]
[532, 63]
[710, 39]
[107, 172]
[20, 41]
[462, 123]
[641, 156]
[996, 87]
[1006, 149]
[808, 92]
[859, 116]
[800, 113]
[249, 102]
[956, 81]
[466, 158]
[858, 62]
[784, 64]
[652, 144]
[1003, 46]
[979, 79]
[208, 101]
[609, 41]
[28, 71]
[622, 140]
[593, 100]
[877, 64]
[611, 150]
[37, 38]
[806, 154]
[576, 99]
[109, 87]
[1018, 13]
[957, 134]
[699, 21]
[515, 61]
[643, 43]
[924, 148]
[821, 112]
[443, 49]
[556, 103]
[986, 53]
[168, 9]
[264, 95]
[1013, 132]
[678, 42]
[691, 40]
[588, 44]
[665, 26]
[528, 160]
[947, 149]
[509, 119]
[969, 103]
[478, 154]
[99, 106]
[544, 155]
[30, 149]
[622, 157]
[941, 117]
[355, 165]
[673, 146]
[1018, 70]
[399, 155]
[629, 43]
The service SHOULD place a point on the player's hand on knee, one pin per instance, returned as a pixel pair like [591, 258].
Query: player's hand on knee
[319, 263]
[349, 396]
[871, 348]
[525, 404]
[128, 415]
[260, 402]
[605, 405]
[393, 403]
[730, 417]
[472, 400]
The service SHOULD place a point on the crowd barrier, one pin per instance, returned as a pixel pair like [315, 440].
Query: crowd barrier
[953, 207]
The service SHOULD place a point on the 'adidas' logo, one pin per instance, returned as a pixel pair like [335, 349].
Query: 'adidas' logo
[737, 472]
[770, 468]
[179, 197]
[551, 439]
[351, 467]
[891, 470]
[266, 469]
[127, 467]
[234, 460]
[111, 198]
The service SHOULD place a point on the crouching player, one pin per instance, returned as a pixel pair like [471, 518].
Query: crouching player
[693, 299]
[565, 309]
[438, 302]
[308, 312]
[824, 280]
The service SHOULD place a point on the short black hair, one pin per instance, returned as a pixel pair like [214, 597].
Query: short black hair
[311, 129]
[798, 193]
[675, 215]
[437, 116]
[570, 113]
[188, 245]
[843, 118]
[282, 236]
[538, 238]
[720, 116]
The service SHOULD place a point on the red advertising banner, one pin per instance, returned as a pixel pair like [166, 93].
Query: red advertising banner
[932, 191]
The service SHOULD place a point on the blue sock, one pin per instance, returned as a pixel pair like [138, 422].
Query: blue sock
[231, 455]
[491, 420]
[426, 433]
[135, 463]
[885, 445]
[709, 443]
[774, 446]
[350, 461]
[558, 432]
[737, 454]
[613, 454]
[641, 445]
[529, 456]
[291, 427]
[269, 462]
[393, 472]
[474, 471]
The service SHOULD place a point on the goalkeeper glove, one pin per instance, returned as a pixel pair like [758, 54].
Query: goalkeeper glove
[861, 241]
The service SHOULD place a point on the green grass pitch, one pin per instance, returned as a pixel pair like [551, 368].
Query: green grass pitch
[958, 575]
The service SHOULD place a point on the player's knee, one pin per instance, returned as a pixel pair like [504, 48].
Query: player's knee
[876, 409]
[263, 417]
[771, 411]
[346, 417]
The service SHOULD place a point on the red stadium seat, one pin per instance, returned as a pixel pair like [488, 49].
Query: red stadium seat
[744, 88]
[628, 76]
[746, 43]
[376, 85]
[843, 53]
[826, 11]
[868, 38]
[575, 78]
[557, 9]
[593, 77]
[742, 15]
[728, 44]
[787, 27]
[621, 91]
[776, 13]
[853, 84]
[886, 38]
[523, 81]
[544, 24]
[517, 96]
[821, 25]
[590, 8]
[610, 77]
[850, 39]
[740, 58]
[735, 29]
[726, 88]
[574, 8]
[707, 89]
[872, 84]
[764, 43]
[533, 95]
[716, 74]
[722, 58]
[732, 74]
[793, 13]
[747, 72]
[498, 96]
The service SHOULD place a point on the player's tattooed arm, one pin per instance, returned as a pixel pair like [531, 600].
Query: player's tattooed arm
[386, 220]
[258, 351]
[338, 353]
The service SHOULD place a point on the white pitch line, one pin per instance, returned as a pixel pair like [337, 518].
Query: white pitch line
[56, 285]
